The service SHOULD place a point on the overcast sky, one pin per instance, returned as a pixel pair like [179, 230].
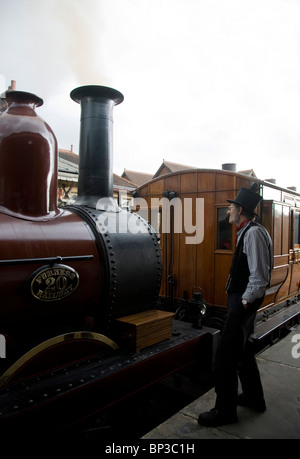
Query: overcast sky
[205, 82]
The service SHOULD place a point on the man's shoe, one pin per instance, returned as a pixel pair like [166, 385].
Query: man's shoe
[214, 418]
[257, 405]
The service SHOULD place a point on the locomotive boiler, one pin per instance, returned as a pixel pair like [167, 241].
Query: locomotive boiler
[70, 269]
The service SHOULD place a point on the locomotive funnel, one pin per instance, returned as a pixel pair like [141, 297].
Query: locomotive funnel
[95, 179]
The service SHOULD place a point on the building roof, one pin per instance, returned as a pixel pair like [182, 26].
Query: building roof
[121, 182]
[249, 172]
[68, 165]
[69, 155]
[3, 103]
[138, 178]
[171, 167]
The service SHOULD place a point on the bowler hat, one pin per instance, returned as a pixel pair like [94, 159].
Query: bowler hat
[247, 199]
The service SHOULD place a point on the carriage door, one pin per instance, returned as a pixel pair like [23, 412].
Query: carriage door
[295, 252]
[224, 248]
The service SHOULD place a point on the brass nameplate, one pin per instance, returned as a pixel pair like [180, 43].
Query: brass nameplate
[53, 283]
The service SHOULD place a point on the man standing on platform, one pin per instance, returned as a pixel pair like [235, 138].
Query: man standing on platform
[249, 276]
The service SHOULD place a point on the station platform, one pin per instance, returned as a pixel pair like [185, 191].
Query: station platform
[280, 373]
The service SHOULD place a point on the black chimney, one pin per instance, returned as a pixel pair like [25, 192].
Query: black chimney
[95, 179]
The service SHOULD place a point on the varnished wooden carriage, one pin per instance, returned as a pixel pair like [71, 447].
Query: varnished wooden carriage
[206, 265]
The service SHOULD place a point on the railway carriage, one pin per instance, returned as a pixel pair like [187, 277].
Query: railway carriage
[203, 265]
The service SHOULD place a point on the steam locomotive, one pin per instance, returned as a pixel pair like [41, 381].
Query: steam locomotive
[76, 282]
[91, 297]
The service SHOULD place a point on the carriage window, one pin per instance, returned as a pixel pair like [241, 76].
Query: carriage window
[224, 241]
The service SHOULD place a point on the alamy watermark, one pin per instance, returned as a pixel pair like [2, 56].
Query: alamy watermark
[165, 216]
[2, 347]
[296, 347]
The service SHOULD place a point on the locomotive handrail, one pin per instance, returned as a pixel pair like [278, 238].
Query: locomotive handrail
[50, 260]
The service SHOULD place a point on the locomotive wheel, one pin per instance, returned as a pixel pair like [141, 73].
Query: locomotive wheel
[56, 352]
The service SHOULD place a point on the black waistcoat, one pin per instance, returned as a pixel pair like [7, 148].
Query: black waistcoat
[239, 271]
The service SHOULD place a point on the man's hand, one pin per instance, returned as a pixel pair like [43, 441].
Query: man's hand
[245, 303]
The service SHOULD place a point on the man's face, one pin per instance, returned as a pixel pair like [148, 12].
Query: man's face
[234, 213]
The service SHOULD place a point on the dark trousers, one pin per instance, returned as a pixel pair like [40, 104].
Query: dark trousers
[236, 357]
